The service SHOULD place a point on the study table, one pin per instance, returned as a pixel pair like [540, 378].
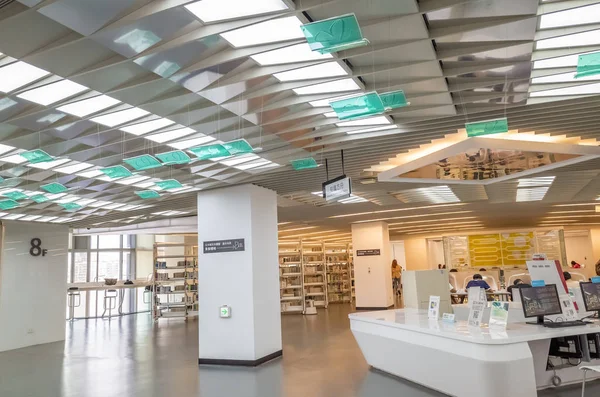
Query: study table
[100, 286]
[463, 361]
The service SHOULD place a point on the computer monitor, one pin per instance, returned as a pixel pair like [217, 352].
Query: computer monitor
[540, 301]
[591, 296]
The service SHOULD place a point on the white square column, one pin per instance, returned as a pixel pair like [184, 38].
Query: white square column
[247, 281]
[372, 266]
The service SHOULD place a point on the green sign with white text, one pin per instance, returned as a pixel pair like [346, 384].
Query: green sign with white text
[487, 127]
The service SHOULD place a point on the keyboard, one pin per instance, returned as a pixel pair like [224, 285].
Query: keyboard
[564, 324]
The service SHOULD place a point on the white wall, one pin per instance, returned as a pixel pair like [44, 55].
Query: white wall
[32, 289]
[247, 281]
[372, 274]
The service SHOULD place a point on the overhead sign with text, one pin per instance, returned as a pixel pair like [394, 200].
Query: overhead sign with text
[220, 246]
[337, 189]
[368, 252]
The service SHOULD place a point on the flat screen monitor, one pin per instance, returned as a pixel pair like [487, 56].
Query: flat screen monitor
[591, 296]
[540, 301]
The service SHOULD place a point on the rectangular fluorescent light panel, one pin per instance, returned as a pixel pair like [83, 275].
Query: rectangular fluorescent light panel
[49, 164]
[332, 86]
[558, 62]
[89, 106]
[148, 126]
[247, 166]
[271, 31]
[539, 181]
[14, 159]
[379, 120]
[19, 74]
[571, 40]
[5, 148]
[116, 118]
[372, 129]
[291, 54]
[91, 173]
[52, 93]
[219, 10]
[329, 69]
[575, 16]
[563, 78]
[239, 160]
[191, 142]
[170, 135]
[74, 167]
[531, 193]
[588, 89]
[131, 180]
[326, 102]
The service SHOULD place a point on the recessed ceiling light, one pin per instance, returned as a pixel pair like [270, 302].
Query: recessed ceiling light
[294, 53]
[538, 181]
[73, 168]
[91, 173]
[239, 159]
[31, 217]
[330, 115]
[113, 206]
[558, 62]
[332, 86]
[45, 219]
[85, 201]
[562, 78]
[19, 74]
[373, 129]
[271, 31]
[132, 179]
[98, 204]
[323, 70]
[170, 135]
[379, 120]
[575, 90]
[251, 165]
[326, 102]
[13, 216]
[435, 194]
[116, 118]
[89, 106]
[67, 199]
[191, 142]
[219, 10]
[5, 148]
[148, 126]
[572, 17]
[531, 194]
[571, 40]
[51, 93]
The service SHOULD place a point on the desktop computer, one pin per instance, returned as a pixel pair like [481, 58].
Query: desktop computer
[544, 301]
[591, 296]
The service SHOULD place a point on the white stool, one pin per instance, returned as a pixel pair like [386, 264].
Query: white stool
[595, 368]
[110, 302]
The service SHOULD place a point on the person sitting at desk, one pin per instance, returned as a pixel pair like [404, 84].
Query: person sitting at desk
[479, 282]
[518, 283]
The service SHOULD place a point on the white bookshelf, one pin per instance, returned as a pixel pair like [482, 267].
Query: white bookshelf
[339, 283]
[175, 281]
[314, 273]
[290, 278]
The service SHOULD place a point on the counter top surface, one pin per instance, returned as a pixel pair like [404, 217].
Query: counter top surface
[101, 286]
[416, 321]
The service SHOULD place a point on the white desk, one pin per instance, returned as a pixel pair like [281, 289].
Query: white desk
[449, 357]
[100, 286]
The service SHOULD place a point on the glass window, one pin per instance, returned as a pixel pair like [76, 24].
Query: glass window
[108, 265]
[94, 266]
[69, 268]
[81, 242]
[127, 268]
[128, 240]
[80, 269]
[109, 241]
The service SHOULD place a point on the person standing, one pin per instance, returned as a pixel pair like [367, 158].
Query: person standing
[396, 275]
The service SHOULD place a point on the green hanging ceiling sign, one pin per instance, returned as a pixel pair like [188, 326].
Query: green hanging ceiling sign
[143, 162]
[334, 34]
[174, 157]
[71, 206]
[117, 171]
[489, 127]
[36, 156]
[147, 194]
[8, 204]
[393, 100]
[210, 152]
[588, 65]
[304, 164]
[358, 106]
[54, 188]
[39, 198]
[239, 146]
[169, 184]
[15, 195]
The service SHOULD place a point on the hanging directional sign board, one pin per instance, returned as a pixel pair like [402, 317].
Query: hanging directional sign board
[174, 157]
[210, 151]
[219, 246]
[304, 164]
[143, 162]
[393, 100]
[337, 189]
[334, 34]
[358, 107]
[488, 127]
[588, 65]
[36, 156]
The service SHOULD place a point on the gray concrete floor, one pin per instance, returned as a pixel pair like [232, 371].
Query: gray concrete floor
[132, 357]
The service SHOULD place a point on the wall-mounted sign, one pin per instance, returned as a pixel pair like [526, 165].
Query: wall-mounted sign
[368, 252]
[225, 311]
[337, 189]
[36, 247]
[216, 247]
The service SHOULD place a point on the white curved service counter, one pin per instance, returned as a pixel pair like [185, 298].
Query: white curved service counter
[459, 360]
